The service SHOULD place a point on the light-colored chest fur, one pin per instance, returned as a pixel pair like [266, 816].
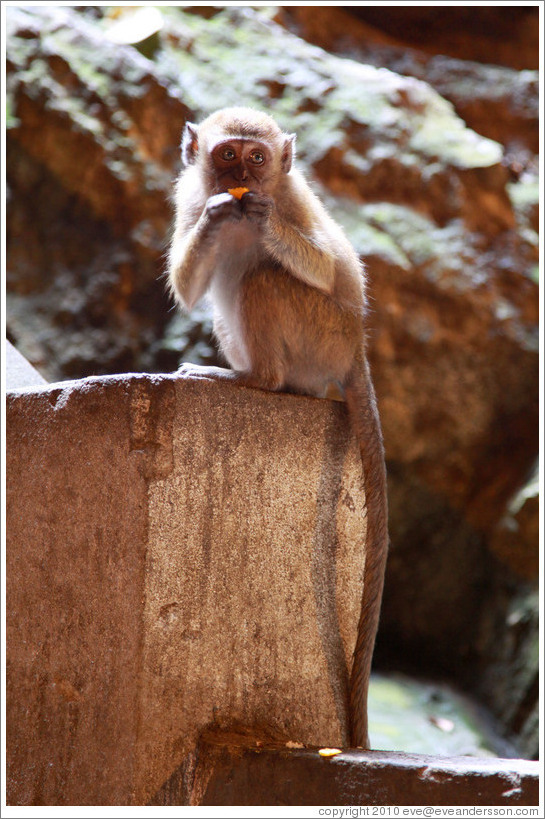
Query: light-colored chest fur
[238, 249]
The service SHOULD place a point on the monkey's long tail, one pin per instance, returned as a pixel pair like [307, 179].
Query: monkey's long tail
[361, 401]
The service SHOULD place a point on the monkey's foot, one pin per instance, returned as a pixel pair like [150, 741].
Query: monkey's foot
[190, 370]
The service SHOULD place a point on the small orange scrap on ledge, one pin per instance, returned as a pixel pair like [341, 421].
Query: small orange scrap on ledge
[238, 193]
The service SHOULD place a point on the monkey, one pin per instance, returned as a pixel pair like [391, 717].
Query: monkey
[289, 304]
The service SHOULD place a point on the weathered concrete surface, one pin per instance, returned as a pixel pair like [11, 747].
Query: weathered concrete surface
[231, 770]
[76, 543]
[181, 554]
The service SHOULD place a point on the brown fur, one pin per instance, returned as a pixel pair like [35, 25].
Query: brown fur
[289, 303]
[360, 398]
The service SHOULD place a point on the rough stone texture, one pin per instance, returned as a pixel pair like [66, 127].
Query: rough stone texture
[493, 35]
[509, 682]
[517, 533]
[495, 100]
[445, 220]
[234, 770]
[180, 554]
[75, 562]
[85, 259]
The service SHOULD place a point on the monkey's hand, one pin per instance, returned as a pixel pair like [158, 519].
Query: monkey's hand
[257, 207]
[220, 207]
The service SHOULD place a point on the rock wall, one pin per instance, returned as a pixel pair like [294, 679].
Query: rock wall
[429, 162]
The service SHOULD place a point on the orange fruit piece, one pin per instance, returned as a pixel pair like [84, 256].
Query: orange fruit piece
[238, 193]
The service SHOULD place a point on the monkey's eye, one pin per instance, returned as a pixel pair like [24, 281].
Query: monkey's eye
[228, 154]
[257, 157]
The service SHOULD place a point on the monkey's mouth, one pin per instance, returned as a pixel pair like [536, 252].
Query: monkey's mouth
[227, 187]
[228, 181]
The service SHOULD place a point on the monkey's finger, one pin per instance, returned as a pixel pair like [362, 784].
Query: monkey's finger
[223, 206]
[255, 208]
[219, 199]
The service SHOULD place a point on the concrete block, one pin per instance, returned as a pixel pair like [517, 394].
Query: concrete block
[232, 769]
[182, 555]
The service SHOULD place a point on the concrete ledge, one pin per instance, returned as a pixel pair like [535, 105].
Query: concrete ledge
[181, 554]
[230, 770]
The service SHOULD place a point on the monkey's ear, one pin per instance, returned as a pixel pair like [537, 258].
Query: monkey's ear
[190, 143]
[288, 153]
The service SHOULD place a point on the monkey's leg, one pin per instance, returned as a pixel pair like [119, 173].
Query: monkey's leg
[263, 318]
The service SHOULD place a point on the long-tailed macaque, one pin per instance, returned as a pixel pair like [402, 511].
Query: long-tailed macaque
[289, 304]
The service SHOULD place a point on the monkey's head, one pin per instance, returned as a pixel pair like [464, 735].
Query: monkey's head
[239, 147]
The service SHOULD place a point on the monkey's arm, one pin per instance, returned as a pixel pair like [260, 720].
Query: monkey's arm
[191, 265]
[192, 259]
[298, 234]
[308, 257]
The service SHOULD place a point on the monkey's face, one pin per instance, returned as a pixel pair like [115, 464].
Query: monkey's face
[241, 162]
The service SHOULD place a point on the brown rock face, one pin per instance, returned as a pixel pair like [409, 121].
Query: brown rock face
[488, 35]
[487, 88]
[94, 147]
[444, 218]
